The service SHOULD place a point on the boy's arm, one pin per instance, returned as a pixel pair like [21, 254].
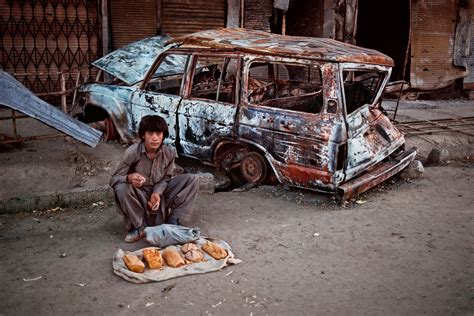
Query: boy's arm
[161, 185]
[123, 169]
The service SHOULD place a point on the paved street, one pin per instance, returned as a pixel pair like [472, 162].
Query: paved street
[403, 248]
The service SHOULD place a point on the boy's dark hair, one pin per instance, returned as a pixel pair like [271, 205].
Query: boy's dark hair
[152, 123]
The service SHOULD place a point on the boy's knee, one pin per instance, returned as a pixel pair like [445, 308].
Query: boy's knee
[122, 189]
[193, 181]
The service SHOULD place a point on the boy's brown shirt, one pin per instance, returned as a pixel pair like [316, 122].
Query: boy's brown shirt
[157, 172]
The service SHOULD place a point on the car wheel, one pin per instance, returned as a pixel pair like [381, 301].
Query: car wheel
[253, 167]
[107, 127]
[111, 132]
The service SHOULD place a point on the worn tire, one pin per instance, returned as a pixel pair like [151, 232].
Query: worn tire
[254, 167]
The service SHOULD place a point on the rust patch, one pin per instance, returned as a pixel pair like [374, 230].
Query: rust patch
[305, 176]
[258, 42]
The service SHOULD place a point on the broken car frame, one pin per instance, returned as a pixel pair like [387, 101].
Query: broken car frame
[305, 111]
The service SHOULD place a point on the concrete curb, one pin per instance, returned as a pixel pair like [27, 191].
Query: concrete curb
[74, 197]
[79, 197]
[443, 154]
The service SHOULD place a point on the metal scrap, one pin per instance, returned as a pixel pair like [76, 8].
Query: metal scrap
[16, 96]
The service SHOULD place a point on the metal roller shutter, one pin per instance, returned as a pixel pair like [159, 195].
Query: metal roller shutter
[180, 17]
[132, 20]
[433, 25]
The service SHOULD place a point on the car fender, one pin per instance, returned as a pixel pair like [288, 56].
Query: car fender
[114, 101]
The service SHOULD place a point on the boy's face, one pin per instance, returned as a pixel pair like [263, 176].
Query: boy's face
[153, 140]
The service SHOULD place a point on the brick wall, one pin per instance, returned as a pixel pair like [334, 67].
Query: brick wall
[258, 14]
[304, 17]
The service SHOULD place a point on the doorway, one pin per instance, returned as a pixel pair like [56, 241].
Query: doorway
[384, 26]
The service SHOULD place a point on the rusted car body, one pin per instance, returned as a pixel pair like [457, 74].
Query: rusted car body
[303, 110]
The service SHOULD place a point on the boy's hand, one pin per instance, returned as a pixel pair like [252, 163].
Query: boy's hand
[136, 179]
[154, 203]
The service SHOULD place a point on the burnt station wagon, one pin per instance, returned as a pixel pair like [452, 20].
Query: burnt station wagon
[305, 111]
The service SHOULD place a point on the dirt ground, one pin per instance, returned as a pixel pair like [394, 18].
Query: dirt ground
[404, 248]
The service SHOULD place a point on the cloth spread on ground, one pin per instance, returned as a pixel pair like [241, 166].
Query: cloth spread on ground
[165, 273]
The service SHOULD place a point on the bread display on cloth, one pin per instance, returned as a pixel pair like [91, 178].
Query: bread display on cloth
[173, 258]
[214, 250]
[133, 263]
[153, 258]
[176, 261]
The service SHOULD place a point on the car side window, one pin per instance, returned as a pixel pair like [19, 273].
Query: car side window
[285, 86]
[360, 87]
[215, 79]
[168, 75]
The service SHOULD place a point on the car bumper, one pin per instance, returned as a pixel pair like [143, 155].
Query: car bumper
[376, 174]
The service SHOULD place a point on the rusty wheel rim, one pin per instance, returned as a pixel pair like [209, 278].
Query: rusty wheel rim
[110, 131]
[253, 167]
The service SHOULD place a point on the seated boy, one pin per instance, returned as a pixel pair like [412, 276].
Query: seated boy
[146, 193]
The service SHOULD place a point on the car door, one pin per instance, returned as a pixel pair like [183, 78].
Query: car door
[207, 112]
[284, 112]
[371, 135]
[161, 93]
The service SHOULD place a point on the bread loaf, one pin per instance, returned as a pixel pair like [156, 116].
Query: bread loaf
[194, 255]
[153, 258]
[133, 263]
[173, 258]
[214, 250]
[188, 246]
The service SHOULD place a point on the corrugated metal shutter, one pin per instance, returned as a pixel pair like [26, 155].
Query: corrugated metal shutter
[132, 20]
[433, 25]
[180, 17]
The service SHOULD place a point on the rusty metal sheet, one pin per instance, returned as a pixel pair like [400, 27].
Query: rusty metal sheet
[259, 42]
[16, 96]
[432, 26]
[131, 63]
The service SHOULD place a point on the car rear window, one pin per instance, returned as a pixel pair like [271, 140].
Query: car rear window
[361, 87]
